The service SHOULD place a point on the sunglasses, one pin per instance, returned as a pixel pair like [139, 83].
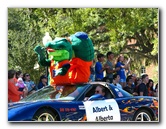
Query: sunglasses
[27, 75]
[96, 91]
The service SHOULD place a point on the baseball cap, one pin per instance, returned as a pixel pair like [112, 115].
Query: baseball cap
[43, 76]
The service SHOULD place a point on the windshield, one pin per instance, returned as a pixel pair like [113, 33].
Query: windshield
[120, 93]
[67, 92]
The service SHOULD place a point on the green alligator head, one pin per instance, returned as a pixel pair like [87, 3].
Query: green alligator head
[59, 49]
[82, 46]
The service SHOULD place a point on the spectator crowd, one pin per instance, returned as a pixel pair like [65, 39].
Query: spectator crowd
[104, 69]
[20, 85]
[118, 74]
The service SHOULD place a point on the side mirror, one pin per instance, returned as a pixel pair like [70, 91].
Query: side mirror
[96, 97]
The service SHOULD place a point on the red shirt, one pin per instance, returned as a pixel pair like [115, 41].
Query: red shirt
[13, 93]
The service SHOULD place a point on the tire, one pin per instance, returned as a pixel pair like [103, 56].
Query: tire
[45, 115]
[142, 115]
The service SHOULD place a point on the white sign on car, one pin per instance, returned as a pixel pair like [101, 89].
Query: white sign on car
[102, 110]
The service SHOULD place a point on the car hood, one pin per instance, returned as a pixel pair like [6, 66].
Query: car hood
[25, 103]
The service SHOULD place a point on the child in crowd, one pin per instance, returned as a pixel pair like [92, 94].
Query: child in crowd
[20, 84]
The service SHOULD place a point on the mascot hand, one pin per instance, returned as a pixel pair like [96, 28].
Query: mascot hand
[40, 51]
[58, 72]
[62, 71]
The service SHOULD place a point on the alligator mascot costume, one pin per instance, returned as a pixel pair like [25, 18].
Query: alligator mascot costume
[69, 59]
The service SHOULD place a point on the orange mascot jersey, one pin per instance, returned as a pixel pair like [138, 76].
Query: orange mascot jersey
[59, 79]
[79, 71]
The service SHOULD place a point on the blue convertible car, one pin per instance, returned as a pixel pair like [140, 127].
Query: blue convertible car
[67, 103]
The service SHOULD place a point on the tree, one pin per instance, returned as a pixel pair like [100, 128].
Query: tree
[130, 31]
[23, 34]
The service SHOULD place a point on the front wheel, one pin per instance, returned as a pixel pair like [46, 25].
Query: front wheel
[45, 115]
[142, 115]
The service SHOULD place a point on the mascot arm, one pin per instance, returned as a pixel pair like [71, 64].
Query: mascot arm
[63, 70]
[44, 62]
[40, 51]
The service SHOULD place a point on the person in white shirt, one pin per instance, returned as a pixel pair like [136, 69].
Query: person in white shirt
[116, 79]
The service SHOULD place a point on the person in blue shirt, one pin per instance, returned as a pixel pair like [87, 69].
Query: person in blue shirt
[122, 71]
[29, 83]
[99, 69]
[42, 82]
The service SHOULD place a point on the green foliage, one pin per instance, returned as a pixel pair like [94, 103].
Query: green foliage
[109, 29]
